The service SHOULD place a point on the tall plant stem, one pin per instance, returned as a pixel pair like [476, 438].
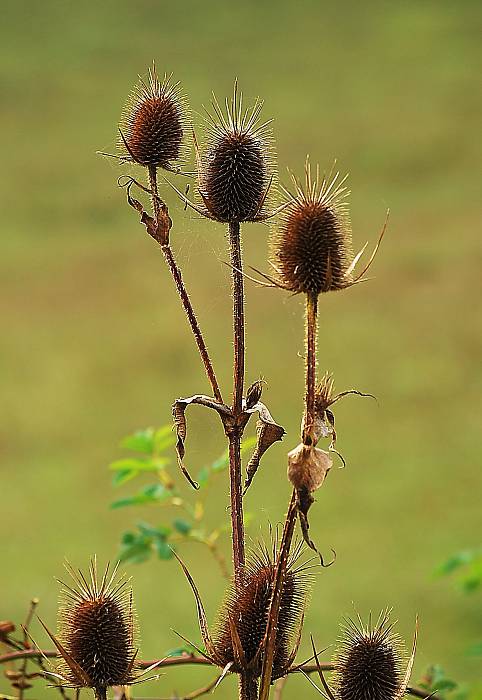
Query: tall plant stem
[273, 616]
[181, 290]
[311, 333]
[235, 434]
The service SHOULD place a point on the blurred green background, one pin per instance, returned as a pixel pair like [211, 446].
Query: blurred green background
[94, 345]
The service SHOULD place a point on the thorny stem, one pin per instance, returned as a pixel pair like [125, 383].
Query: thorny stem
[181, 290]
[26, 643]
[272, 626]
[311, 331]
[235, 434]
[183, 661]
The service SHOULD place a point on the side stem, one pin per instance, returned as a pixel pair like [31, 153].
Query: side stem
[273, 616]
[235, 435]
[311, 333]
[181, 290]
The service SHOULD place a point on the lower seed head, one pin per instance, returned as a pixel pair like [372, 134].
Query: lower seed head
[248, 608]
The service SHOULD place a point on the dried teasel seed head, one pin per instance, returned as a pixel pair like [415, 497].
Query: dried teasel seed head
[311, 249]
[235, 170]
[308, 467]
[97, 630]
[246, 609]
[369, 664]
[153, 123]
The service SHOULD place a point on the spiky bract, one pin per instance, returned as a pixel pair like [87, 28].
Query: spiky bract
[311, 249]
[96, 629]
[153, 123]
[235, 170]
[248, 606]
[369, 663]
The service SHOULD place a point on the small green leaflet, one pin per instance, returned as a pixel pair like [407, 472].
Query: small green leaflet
[154, 493]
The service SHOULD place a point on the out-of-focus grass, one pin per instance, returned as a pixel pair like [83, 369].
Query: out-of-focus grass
[94, 345]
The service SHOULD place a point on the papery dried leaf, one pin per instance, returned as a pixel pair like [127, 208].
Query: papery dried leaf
[308, 467]
[307, 470]
[159, 231]
[179, 411]
[268, 432]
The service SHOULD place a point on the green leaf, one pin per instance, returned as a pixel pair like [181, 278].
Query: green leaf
[182, 526]
[179, 651]
[164, 551]
[140, 441]
[456, 561]
[138, 547]
[162, 531]
[203, 476]
[139, 465]
[163, 438]
[123, 475]
[135, 548]
[155, 493]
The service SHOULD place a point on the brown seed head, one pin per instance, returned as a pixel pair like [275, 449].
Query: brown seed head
[248, 609]
[311, 250]
[235, 170]
[369, 662]
[96, 628]
[153, 123]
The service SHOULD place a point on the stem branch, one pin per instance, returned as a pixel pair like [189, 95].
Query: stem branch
[181, 290]
[186, 660]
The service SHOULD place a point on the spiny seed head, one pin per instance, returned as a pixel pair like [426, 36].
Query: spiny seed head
[153, 123]
[235, 170]
[248, 608]
[369, 663]
[96, 629]
[311, 249]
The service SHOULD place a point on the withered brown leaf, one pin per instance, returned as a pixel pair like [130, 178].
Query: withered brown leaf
[268, 432]
[178, 411]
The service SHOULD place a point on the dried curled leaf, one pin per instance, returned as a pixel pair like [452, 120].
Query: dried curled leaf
[307, 470]
[178, 411]
[268, 432]
[308, 467]
[158, 230]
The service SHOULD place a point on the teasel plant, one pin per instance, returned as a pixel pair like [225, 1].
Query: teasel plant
[235, 177]
[260, 622]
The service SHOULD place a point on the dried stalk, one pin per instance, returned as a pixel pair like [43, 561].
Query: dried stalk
[185, 660]
[311, 332]
[272, 626]
[236, 432]
[157, 203]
